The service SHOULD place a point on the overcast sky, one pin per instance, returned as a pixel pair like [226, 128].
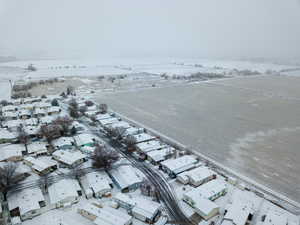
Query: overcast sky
[150, 28]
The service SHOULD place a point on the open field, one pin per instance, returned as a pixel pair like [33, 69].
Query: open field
[250, 124]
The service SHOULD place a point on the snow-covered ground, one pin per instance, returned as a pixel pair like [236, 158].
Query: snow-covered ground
[96, 67]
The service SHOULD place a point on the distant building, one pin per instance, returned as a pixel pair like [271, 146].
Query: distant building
[63, 143]
[37, 148]
[143, 137]
[158, 156]
[26, 203]
[10, 115]
[149, 146]
[84, 139]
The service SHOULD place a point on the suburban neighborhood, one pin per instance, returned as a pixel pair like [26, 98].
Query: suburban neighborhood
[67, 157]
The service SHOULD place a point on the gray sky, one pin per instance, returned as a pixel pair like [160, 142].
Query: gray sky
[155, 28]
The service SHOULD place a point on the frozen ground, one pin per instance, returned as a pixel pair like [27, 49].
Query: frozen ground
[250, 124]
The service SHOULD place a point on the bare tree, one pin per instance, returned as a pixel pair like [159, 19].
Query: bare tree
[23, 136]
[54, 102]
[50, 132]
[89, 103]
[4, 103]
[64, 123]
[70, 90]
[103, 108]
[73, 108]
[103, 157]
[148, 189]
[9, 177]
[30, 67]
[116, 133]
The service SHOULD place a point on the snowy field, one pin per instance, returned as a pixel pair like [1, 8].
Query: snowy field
[93, 67]
[249, 124]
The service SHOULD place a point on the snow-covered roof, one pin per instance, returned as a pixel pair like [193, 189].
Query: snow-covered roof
[83, 139]
[133, 131]
[197, 174]
[201, 204]
[67, 157]
[36, 147]
[39, 164]
[39, 111]
[159, 155]
[63, 141]
[105, 122]
[120, 197]
[122, 124]
[24, 112]
[42, 105]
[208, 189]
[97, 181]
[180, 164]
[10, 114]
[149, 146]
[9, 108]
[103, 116]
[11, 150]
[32, 130]
[31, 122]
[6, 134]
[53, 109]
[47, 119]
[125, 176]
[63, 189]
[26, 106]
[12, 123]
[111, 216]
[142, 137]
[146, 207]
[277, 216]
[26, 200]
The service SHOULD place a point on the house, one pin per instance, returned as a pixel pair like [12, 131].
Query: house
[96, 184]
[26, 106]
[32, 131]
[43, 105]
[54, 110]
[40, 166]
[103, 116]
[31, 122]
[242, 207]
[47, 119]
[124, 201]
[9, 108]
[143, 137]
[148, 146]
[24, 114]
[175, 166]
[38, 113]
[64, 193]
[82, 140]
[145, 210]
[80, 128]
[12, 124]
[10, 115]
[197, 176]
[26, 203]
[120, 124]
[278, 216]
[157, 156]
[125, 177]
[70, 159]
[12, 152]
[104, 215]
[63, 143]
[202, 206]
[37, 148]
[7, 137]
[133, 131]
[108, 121]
